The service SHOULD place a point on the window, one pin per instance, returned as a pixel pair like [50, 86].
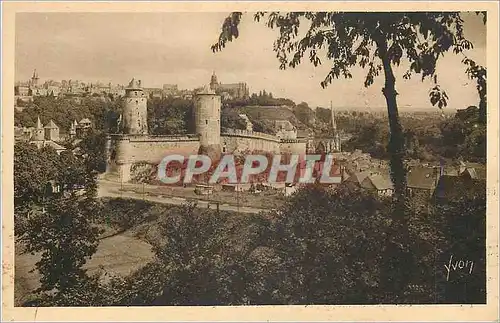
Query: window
[135, 92]
[206, 121]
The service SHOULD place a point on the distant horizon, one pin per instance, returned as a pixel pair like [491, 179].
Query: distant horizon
[401, 108]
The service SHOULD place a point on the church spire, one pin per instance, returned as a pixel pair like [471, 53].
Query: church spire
[336, 135]
[213, 81]
[39, 134]
[334, 123]
[39, 124]
[34, 78]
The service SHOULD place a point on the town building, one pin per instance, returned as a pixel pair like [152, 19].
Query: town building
[83, 127]
[285, 129]
[458, 187]
[170, 89]
[46, 136]
[380, 184]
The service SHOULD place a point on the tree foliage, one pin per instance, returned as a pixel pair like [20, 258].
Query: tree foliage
[375, 41]
[64, 111]
[54, 208]
[65, 237]
[305, 114]
[93, 151]
[170, 116]
[321, 247]
[464, 136]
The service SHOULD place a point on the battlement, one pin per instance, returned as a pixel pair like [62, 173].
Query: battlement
[292, 141]
[249, 134]
[155, 138]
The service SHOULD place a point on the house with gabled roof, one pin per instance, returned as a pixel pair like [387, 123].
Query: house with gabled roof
[454, 188]
[51, 131]
[422, 180]
[355, 180]
[380, 184]
[46, 136]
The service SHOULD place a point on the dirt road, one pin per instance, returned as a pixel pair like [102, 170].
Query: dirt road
[128, 190]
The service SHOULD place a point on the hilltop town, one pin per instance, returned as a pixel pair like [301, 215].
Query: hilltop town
[27, 90]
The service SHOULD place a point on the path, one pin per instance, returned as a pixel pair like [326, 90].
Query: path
[113, 189]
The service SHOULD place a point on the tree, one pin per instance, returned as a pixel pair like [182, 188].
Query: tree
[53, 217]
[304, 113]
[94, 151]
[376, 41]
[465, 135]
[463, 222]
[194, 263]
[66, 239]
[170, 116]
[232, 121]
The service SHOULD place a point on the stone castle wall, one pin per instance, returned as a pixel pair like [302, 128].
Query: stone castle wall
[293, 146]
[126, 150]
[152, 149]
[241, 140]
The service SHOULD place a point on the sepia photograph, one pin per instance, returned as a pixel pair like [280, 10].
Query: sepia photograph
[245, 157]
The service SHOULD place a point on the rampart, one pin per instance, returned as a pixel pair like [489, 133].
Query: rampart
[131, 149]
[235, 140]
[251, 134]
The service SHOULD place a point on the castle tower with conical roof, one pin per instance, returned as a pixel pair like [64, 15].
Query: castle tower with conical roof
[135, 117]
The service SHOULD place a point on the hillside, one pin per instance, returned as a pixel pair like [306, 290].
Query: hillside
[265, 114]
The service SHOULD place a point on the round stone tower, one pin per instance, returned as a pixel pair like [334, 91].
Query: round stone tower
[135, 110]
[207, 121]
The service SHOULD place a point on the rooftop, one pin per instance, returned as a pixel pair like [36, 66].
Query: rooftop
[380, 182]
[51, 125]
[206, 90]
[358, 177]
[134, 85]
[458, 187]
[421, 177]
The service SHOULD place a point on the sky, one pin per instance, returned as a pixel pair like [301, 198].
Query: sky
[174, 48]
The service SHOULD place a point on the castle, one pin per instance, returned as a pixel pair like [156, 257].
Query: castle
[134, 145]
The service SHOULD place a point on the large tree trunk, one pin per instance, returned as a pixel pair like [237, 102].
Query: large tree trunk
[397, 259]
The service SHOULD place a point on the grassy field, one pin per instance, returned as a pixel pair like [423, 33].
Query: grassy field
[117, 255]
